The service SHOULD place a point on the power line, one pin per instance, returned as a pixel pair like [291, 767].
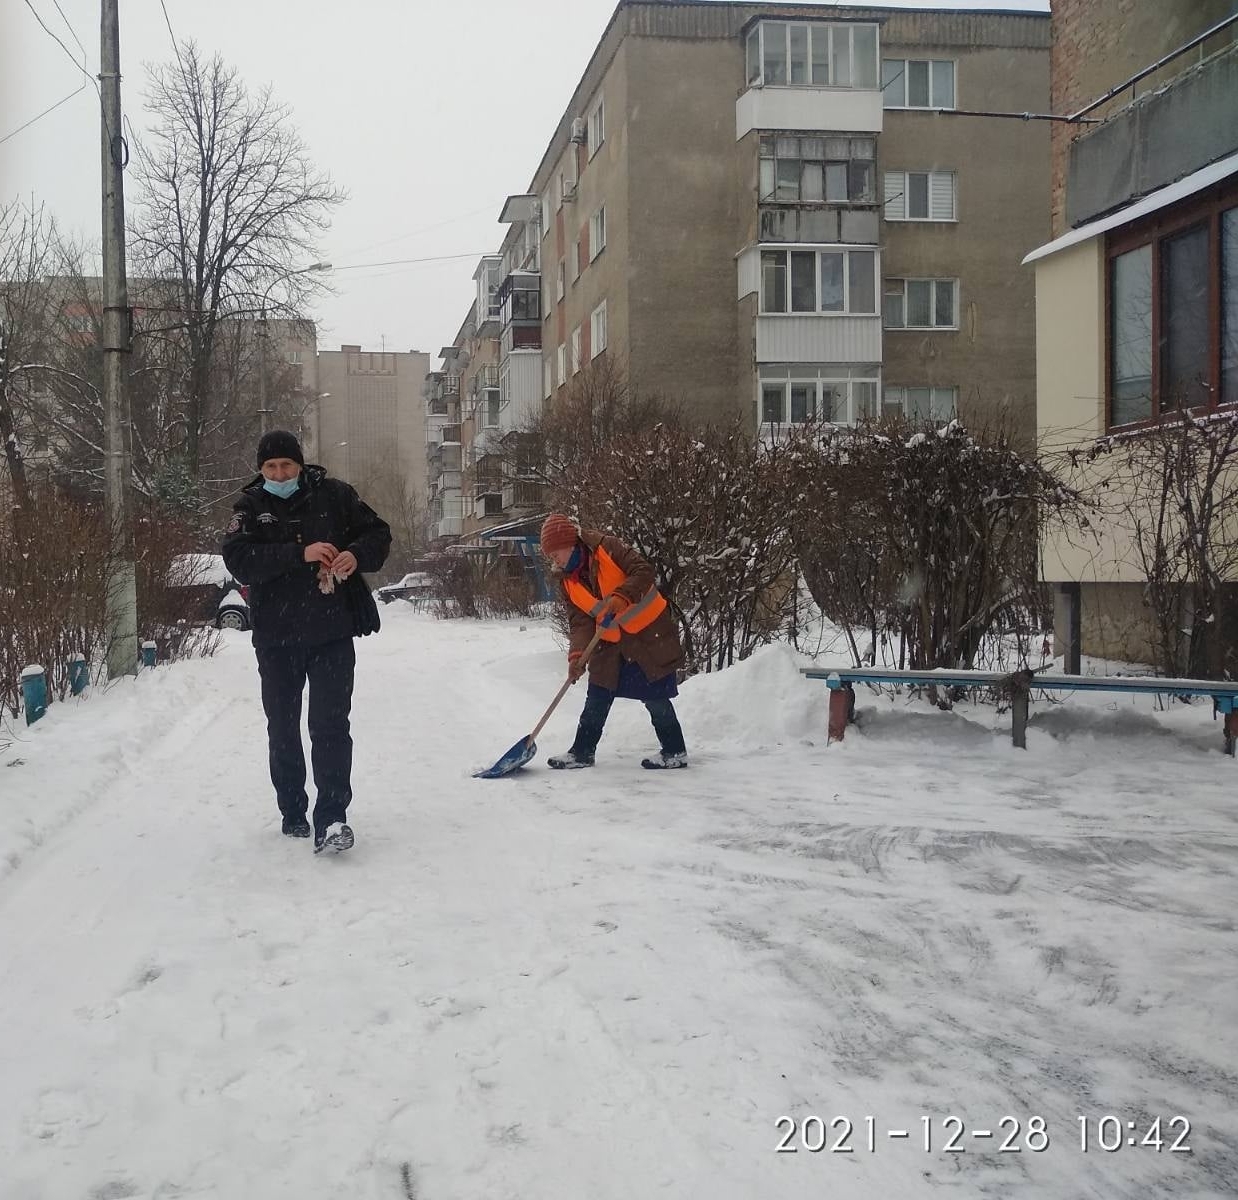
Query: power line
[399, 262]
[69, 26]
[175, 45]
[423, 229]
[13, 133]
[63, 47]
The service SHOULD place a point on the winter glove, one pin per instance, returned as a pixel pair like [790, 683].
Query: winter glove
[575, 665]
[614, 606]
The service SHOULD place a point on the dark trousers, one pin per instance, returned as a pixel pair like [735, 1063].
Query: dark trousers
[597, 709]
[284, 671]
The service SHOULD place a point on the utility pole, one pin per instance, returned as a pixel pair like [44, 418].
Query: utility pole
[264, 413]
[122, 617]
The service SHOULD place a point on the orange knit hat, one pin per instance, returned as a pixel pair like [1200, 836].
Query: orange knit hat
[558, 533]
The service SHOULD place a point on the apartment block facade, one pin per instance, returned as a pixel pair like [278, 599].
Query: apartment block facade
[779, 211]
[1137, 294]
[371, 422]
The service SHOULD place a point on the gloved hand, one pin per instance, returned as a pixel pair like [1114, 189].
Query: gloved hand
[614, 606]
[575, 665]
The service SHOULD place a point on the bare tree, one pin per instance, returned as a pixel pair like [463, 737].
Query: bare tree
[389, 490]
[229, 210]
[27, 240]
[1171, 490]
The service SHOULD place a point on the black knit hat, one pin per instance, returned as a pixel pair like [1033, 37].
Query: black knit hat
[279, 443]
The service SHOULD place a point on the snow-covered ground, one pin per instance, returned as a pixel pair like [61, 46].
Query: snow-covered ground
[616, 983]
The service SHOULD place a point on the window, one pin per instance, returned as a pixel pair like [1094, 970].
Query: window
[491, 402]
[817, 170]
[920, 304]
[576, 256]
[920, 195]
[804, 392]
[575, 349]
[597, 128]
[917, 83]
[921, 404]
[294, 358]
[561, 366]
[562, 283]
[597, 233]
[1173, 311]
[796, 54]
[597, 329]
[548, 379]
[560, 190]
[836, 280]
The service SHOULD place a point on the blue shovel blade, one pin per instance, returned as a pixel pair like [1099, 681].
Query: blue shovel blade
[521, 753]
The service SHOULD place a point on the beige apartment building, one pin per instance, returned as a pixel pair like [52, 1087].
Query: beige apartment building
[781, 211]
[371, 419]
[1137, 295]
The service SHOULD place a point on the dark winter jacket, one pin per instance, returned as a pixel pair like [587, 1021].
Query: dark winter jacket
[265, 548]
[656, 648]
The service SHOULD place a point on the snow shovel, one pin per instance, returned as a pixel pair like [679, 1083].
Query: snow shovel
[522, 752]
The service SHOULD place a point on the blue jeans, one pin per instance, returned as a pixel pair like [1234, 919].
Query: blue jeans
[597, 709]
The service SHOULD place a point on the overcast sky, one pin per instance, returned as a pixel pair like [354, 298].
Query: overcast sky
[429, 114]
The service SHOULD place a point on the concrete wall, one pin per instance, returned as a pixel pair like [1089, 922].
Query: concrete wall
[1003, 212]
[1160, 138]
[683, 202]
[1098, 44]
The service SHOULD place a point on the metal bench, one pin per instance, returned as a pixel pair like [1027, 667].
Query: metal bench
[1019, 685]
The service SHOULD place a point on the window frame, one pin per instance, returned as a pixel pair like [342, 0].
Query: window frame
[814, 29]
[597, 127]
[935, 281]
[597, 232]
[906, 191]
[903, 75]
[1205, 210]
[905, 388]
[786, 249]
[561, 365]
[597, 325]
[771, 139]
[576, 347]
[771, 378]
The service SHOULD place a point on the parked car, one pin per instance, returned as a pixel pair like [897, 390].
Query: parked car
[415, 586]
[215, 595]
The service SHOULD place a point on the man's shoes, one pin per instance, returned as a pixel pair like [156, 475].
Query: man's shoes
[334, 838]
[571, 761]
[296, 827]
[666, 762]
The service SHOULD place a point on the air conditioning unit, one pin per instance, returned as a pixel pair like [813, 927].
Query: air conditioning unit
[580, 130]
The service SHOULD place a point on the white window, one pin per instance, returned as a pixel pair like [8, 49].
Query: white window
[921, 404]
[548, 379]
[294, 358]
[597, 128]
[562, 288]
[835, 280]
[546, 211]
[575, 256]
[491, 402]
[920, 304]
[597, 233]
[575, 349]
[597, 330]
[795, 54]
[561, 366]
[917, 83]
[920, 196]
[794, 394]
[560, 190]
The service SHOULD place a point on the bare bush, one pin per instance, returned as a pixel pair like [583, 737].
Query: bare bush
[472, 585]
[925, 538]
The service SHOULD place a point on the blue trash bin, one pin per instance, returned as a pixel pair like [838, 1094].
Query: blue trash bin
[34, 693]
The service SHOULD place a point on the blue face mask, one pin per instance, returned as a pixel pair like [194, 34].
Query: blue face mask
[282, 489]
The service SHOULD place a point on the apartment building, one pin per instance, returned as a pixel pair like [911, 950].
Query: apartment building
[371, 418]
[1137, 295]
[781, 211]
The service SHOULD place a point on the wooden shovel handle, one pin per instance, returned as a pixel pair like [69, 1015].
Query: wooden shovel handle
[567, 683]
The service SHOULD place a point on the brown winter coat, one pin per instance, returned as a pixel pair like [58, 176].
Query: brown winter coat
[655, 648]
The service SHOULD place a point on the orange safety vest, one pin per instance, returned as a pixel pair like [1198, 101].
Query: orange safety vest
[634, 618]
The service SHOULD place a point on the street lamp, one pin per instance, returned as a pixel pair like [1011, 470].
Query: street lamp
[264, 412]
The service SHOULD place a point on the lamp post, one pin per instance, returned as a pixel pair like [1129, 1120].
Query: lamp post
[264, 413]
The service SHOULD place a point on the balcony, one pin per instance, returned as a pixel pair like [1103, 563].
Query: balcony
[489, 504]
[520, 300]
[809, 76]
[449, 527]
[451, 435]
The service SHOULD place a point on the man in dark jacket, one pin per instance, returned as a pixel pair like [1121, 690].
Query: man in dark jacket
[608, 589]
[300, 539]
